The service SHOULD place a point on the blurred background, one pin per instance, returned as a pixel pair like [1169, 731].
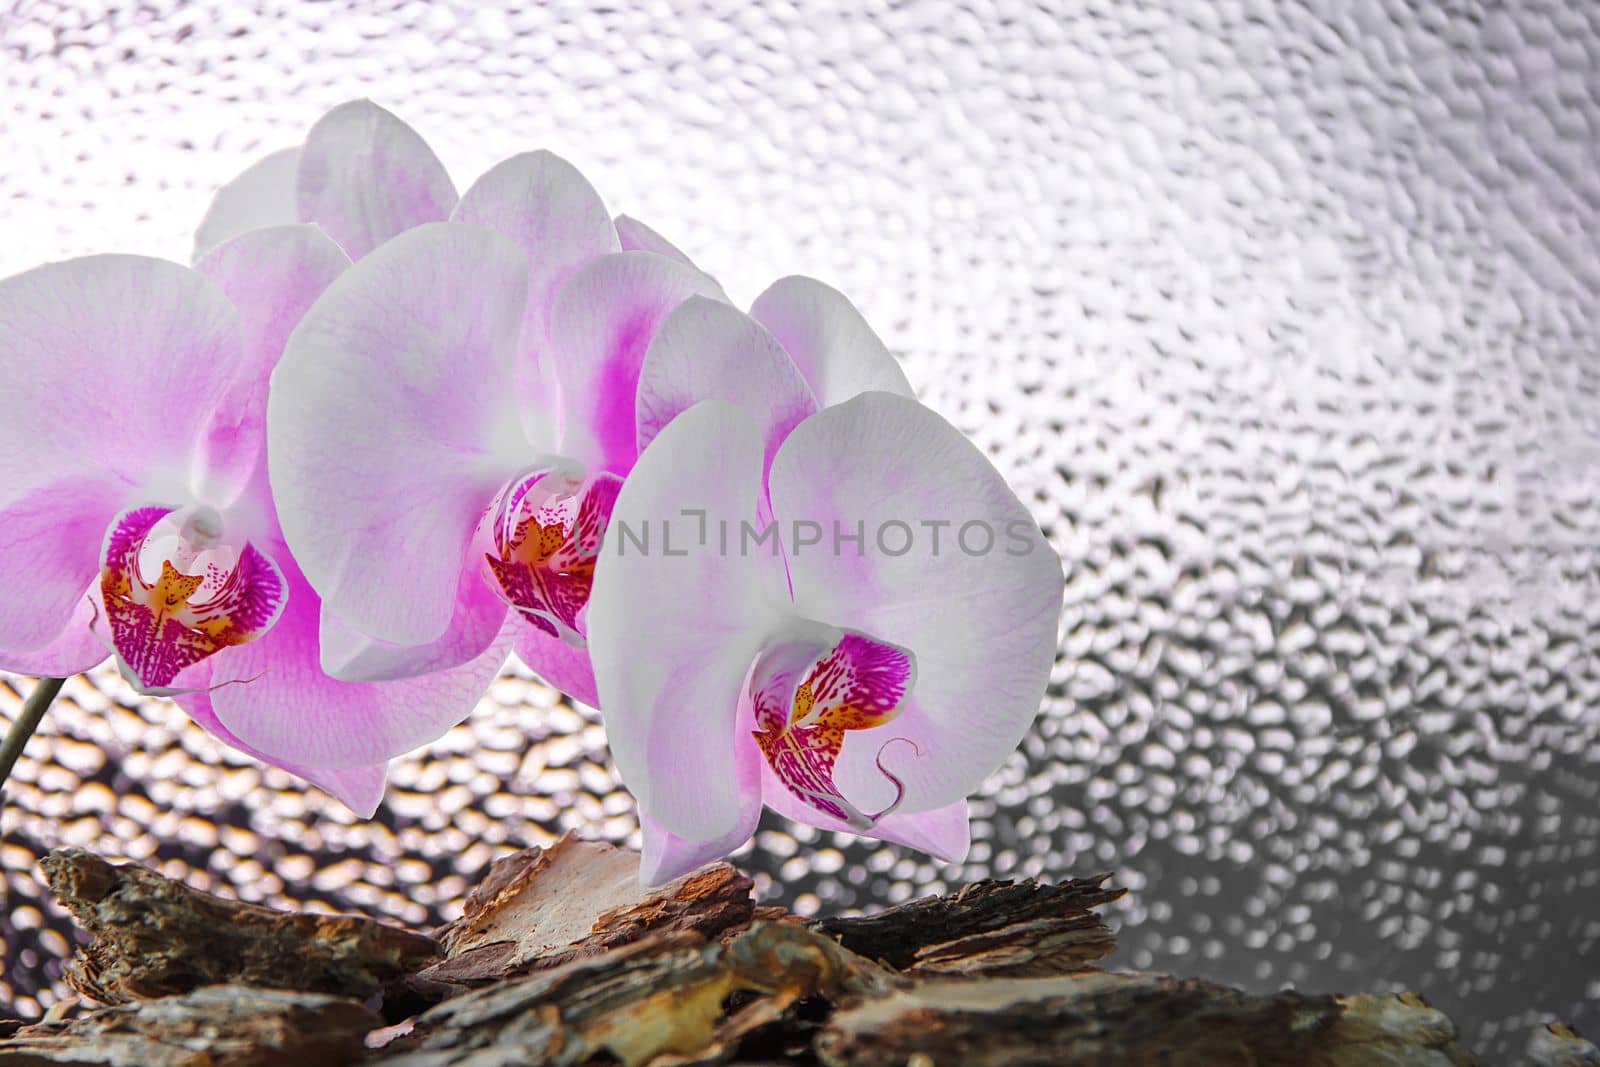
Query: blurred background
[1283, 317]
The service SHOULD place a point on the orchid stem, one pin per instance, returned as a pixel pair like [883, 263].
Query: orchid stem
[33, 710]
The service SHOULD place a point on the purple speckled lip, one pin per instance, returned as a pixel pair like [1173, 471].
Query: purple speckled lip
[802, 715]
[161, 627]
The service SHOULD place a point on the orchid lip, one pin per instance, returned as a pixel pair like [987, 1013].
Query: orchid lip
[176, 591]
[547, 525]
[811, 687]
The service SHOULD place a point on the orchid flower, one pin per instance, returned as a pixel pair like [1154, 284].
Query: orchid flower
[362, 175]
[861, 664]
[136, 515]
[475, 380]
[488, 383]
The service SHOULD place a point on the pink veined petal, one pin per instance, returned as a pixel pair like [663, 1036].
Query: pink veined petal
[543, 203]
[668, 856]
[49, 559]
[76, 649]
[263, 194]
[604, 318]
[637, 237]
[161, 625]
[980, 617]
[392, 425]
[943, 833]
[358, 788]
[365, 176]
[349, 655]
[475, 624]
[113, 366]
[674, 627]
[563, 666]
[272, 276]
[829, 340]
[286, 707]
[706, 349]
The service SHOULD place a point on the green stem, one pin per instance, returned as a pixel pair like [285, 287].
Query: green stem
[33, 710]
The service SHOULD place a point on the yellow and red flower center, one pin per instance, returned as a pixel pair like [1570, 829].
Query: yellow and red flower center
[547, 533]
[805, 704]
[175, 593]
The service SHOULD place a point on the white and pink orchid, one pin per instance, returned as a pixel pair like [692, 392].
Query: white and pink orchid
[139, 518]
[362, 175]
[318, 503]
[841, 679]
[451, 422]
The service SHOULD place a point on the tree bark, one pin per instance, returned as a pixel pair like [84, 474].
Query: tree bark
[561, 958]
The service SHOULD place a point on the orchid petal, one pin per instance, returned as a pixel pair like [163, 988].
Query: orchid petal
[604, 318]
[284, 705]
[561, 665]
[391, 429]
[74, 650]
[637, 237]
[49, 558]
[707, 349]
[829, 340]
[263, 194]
[668, 856]
[157, 348]
[674, 628]
[358, 788]
[943, 833]
[982, 625]
[365, 177]
[273, 276]
[352, 656]
[544, 204]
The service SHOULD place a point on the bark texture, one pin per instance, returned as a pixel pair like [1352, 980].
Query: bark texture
[219, 1026]
[562, 959]
[540, 908]
[153, 937]
[1017, 929]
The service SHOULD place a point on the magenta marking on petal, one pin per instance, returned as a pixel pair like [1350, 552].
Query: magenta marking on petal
[803, 713]
[159, 628]
[546, 549]
[614, 423]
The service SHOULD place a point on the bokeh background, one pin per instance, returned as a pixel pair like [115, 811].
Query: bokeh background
[1283, 316]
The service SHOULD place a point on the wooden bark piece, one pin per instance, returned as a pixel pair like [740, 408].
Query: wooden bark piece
[541, 908]
[218, 1026]
[154, 937]
[1389, 1028]
[1559, 1045]
[1018, 929]
[1095, 1018]
[661, 1000]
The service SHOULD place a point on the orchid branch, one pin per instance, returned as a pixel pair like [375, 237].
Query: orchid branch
[33, 710]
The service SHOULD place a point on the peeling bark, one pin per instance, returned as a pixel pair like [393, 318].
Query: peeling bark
[665, 999]
[1018, 929]
[1098, 1018]
[1559, 1045]
[561, 958]
[155, 937]
[540, 908]
[218, 1026]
